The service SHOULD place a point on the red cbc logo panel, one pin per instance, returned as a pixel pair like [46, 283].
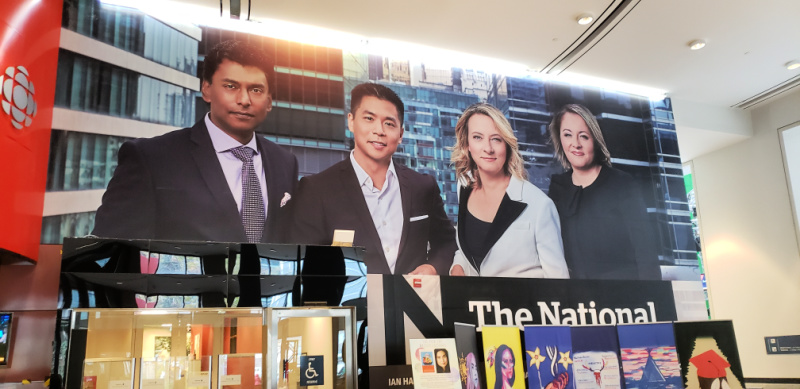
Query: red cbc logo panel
[29, 38]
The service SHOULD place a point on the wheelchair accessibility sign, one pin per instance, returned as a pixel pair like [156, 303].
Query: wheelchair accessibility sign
[311, 370]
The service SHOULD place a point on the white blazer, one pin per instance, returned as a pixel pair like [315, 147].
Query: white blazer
[529, 247]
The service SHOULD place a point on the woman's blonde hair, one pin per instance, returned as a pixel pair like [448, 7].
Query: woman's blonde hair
[465, 166]
[601, 154]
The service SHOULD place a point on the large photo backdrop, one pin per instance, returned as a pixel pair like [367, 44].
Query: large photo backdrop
[311, 91]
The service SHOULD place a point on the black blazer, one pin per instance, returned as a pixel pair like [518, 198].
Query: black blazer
[332, 200]
[172, 187]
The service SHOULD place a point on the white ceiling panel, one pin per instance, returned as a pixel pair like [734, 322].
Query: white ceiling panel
[529, 32]
[747, 45]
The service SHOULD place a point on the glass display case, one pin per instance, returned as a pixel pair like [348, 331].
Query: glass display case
[213, 348]
[311, 347]
[165, 348]
[191, 314]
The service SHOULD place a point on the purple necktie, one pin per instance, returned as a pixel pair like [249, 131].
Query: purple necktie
[252, 201]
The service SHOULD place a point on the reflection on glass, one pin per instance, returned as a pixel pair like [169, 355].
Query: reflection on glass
[107, 373]
[154, 374]
[190, 372]
[280, 300]
[240, 371]
[115, 273]
[164, 263]
[278, 267]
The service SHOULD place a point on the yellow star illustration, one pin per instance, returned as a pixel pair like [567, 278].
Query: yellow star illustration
[536, 357]
[565, 359]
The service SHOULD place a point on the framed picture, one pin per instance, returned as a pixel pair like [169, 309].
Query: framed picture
[6, 319]
[162, 347]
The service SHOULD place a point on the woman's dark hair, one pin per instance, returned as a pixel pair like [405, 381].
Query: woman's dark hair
[439, 369]
[498, 367]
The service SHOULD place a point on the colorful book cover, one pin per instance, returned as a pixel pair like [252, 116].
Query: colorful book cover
[433, 363]
[596, 361]
[502, 355]
[469, 357]
[708, 355]
[548, 352]
[649, 357]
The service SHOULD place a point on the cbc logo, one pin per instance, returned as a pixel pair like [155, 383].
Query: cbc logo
[17, 99]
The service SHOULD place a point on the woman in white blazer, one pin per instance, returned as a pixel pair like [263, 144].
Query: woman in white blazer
[507, 227]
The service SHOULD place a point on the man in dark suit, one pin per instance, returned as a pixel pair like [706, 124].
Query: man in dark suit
[369, 201]
[216, 181]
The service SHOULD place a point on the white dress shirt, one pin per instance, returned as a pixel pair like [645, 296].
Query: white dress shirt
[232, 166]
[385, 207]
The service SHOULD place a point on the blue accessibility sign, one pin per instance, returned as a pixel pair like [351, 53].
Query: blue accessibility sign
[311, 370]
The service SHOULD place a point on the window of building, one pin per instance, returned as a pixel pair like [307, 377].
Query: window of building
[55, 228]
[133, 32]
[80, 161]
[86, 84]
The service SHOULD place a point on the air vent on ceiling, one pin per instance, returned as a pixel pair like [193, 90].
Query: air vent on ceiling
[606, 22]
[769, 93]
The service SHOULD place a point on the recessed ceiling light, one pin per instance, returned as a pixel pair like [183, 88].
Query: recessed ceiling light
[792, 65]
[584, 19]
[697, 44]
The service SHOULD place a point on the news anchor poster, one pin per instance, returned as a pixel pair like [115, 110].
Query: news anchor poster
[629, 133]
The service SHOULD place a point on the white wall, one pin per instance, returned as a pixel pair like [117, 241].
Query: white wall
[750, 244]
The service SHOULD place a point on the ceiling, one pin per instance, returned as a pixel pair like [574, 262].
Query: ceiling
[641, 42]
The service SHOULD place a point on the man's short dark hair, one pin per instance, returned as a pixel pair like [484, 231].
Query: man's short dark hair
[241, 52]
[379, 91]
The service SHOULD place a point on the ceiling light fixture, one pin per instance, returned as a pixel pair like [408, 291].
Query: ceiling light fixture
[584, 19]
[697, 44]
[792, 65]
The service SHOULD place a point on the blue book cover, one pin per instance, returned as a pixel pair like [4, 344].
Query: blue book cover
[548, 353]
[649, 357]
